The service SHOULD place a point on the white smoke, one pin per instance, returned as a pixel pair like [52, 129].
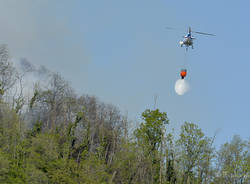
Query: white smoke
[29, 75]
[181, 87]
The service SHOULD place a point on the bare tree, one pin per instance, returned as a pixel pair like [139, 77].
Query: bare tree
[8, 74]
[52, 103]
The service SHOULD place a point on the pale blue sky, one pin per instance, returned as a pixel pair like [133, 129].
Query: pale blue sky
[121, 52]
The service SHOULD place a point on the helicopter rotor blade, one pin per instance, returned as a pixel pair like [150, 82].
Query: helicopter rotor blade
[170, 28]
[204, 33]
[173, 28]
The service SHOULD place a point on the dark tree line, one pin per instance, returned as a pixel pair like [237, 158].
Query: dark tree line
[52, 135]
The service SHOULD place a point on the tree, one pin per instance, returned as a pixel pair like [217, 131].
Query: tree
[233, 162]
[170, 160]
[8, 74]
[192, 144]
[149, 136]
[52, 104]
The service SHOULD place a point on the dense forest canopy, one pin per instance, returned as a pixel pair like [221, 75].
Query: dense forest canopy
[49, 134]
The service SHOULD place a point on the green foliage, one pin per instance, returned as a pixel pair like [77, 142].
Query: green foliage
[39, 156]
[33, 99]
[150, 133]
[37, 128]
[1, 90]
[234, 161]
[150, 137]
[126, 164]
[94, 170]
[35, 175]
[4, 167]
[191, 144]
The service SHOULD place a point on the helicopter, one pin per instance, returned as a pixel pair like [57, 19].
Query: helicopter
[188, 38]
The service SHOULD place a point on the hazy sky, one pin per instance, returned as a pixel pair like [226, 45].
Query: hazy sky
[120, 51]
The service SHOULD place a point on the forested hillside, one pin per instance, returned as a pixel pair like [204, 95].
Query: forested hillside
[50, 134]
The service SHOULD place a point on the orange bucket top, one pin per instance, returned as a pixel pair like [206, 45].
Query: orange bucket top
[183, 73]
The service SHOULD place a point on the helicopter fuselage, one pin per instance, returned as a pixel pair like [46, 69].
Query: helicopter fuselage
[187, 41]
